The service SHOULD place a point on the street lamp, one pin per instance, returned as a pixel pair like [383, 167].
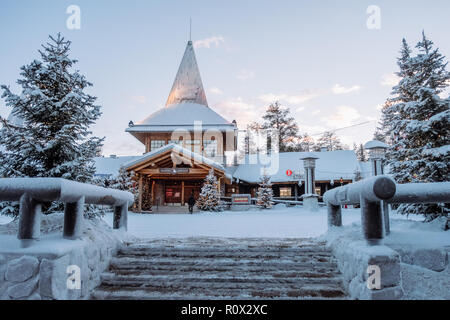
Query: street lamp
[377, 152]
[310, 198]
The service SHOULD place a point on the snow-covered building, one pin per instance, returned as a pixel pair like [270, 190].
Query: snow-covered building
[186, 139]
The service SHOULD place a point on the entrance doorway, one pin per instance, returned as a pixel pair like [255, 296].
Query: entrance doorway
[173, 194]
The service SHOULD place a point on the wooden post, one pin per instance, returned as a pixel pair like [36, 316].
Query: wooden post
[182, 193]
[153, 192]
[140, 194]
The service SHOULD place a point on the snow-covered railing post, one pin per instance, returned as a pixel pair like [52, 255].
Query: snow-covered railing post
[368, 193]
[32, 192]
[73, 219]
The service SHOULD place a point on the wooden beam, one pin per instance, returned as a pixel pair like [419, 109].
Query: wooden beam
[156, 172]
[153, 191]
[182, 193]
[140, 194]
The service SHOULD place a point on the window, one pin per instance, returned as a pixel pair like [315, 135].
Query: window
[193, 145]
[285, 192]
[155, 144]
[210, 148]
[318, 190]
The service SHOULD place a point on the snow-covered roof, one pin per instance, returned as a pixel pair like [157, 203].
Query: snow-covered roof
[111, 166]
[177, 149]
[187, 86]
[182, 114]
[330, 165]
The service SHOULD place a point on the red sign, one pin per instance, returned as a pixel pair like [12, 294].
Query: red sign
[289, 173]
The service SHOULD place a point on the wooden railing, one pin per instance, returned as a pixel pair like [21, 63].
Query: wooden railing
[33, 192]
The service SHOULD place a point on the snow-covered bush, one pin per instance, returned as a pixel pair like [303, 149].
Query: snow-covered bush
[265, 193]
[209, 198]
[53, 138]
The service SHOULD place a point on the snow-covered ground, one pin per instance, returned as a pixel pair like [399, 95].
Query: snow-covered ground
[279, 222]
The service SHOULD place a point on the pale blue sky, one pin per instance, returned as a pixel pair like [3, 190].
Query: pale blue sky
[318, 57]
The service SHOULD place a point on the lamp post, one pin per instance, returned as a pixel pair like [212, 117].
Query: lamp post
[310, 198]
[377, 153]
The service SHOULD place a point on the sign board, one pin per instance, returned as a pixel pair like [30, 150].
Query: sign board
[289, 172]
[174, 170]
[240, 202]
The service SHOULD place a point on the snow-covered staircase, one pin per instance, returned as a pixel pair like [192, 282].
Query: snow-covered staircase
[208, 268]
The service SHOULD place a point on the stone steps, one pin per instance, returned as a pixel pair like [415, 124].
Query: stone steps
[209, 269]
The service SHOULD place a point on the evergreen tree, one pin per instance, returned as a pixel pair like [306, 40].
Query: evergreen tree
[125, 182]
[251, 140]
[330, 141]
[278, 118]
[265, 193]
[209, 198]
[54, 139]
[306, 143]
[361, 153]
[418, 123]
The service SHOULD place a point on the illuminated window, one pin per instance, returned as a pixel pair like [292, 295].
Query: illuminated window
[318, 190]
[155, 144]
[285, 192]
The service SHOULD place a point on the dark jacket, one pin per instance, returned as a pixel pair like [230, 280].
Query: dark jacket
[191, 201]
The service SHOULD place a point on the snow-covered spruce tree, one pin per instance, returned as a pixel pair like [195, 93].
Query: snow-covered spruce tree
[278, 118]
[209, 198]
[330, 141]
[265, 193]
[54, 139]
[361, 153]
[418, 124]
[125, 182]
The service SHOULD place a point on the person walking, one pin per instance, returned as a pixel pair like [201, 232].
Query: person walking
[191, 203]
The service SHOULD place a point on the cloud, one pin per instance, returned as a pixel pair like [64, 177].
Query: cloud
[343, 116]
[389, 80]
[139, 99]
[338, 89]
[290, 99]
[215, 90]
[238, 109]
[209, 42]
[245, 74]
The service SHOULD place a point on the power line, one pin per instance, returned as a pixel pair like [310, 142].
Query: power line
[338, 129]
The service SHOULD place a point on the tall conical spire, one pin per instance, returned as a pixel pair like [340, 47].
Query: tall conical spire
[187, 86]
